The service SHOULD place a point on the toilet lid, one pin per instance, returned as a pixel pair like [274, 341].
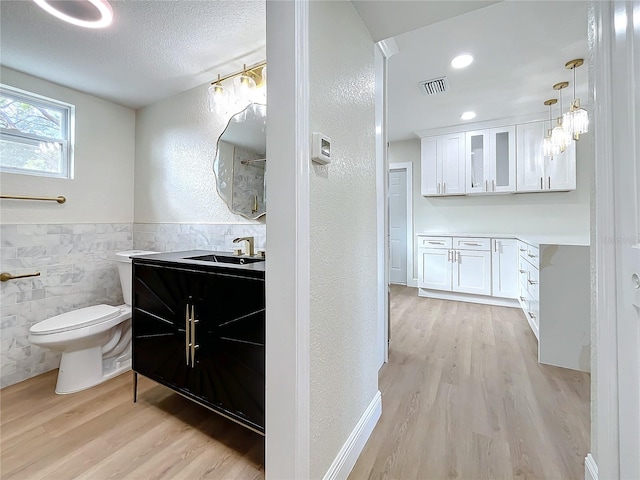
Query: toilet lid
[83, 317]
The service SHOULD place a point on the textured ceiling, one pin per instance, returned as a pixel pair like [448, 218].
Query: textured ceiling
[388, 18]
[520, 48]
[153, 50]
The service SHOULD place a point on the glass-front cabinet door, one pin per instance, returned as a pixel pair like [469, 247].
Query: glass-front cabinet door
[502, 160]
[477, 155]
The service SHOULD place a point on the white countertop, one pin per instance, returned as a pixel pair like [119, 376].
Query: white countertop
[531, 239]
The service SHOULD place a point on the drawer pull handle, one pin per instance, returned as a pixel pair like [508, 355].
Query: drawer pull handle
[531, 256]
[435, 243]
[523, 299]
[531, 315]
[522, 271]
[531, 282]
[187, 334]
[522, 249]
[472, 244]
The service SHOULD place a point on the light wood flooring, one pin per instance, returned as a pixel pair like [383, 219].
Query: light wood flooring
[101, 434]
[464, 397]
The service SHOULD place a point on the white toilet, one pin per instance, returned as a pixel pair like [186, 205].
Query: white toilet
[95, 341]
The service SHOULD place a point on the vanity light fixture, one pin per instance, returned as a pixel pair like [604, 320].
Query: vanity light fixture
[248, 86]
[576, 119]
[462, 61]
[560, 137]
[548, 147]
[84, 13]
[468, 115]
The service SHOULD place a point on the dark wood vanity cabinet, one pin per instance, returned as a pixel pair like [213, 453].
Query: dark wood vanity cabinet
[201, 333]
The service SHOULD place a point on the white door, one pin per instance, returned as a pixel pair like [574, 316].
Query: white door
[477, 161]
[529, 157]
[398, 226]
[435, 268]
[472, 272]
[502, 155]
[504, 266]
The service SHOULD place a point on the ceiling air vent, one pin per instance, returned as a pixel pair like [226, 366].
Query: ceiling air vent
[435, 86]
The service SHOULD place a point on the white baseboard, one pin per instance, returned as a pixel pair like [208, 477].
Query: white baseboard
[350, 451]
[590, 468]
[469, 297]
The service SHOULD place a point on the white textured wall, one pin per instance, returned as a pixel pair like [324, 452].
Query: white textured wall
[537, 213]
[344, 366]
[102, 187]
[175, 148]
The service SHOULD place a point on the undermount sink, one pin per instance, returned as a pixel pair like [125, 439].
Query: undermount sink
[227, 259]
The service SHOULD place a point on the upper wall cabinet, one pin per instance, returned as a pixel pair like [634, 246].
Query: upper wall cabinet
[537, 173]
[491, 160]
[443, 165]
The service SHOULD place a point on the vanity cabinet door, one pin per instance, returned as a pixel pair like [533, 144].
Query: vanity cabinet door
[202, 334]
[504, 267]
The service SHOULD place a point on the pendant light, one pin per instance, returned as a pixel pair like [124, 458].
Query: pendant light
[559, 135]
[548, 147]
[576, 120]
[218, 98]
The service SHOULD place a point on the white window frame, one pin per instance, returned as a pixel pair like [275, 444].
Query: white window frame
[67, 127]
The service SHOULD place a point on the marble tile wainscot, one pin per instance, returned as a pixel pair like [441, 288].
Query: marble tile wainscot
[77, 269]
[171, 237]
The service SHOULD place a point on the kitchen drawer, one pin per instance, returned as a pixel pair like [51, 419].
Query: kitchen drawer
[532, 283]
[533, 255]
[434, 242]
[471, 243]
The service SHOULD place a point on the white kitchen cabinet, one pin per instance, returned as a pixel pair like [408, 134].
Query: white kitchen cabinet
[472, 272]
[491, 160]
[504, 263]
[465, 268]
[443, 165]
[434, 268]
[537, 173]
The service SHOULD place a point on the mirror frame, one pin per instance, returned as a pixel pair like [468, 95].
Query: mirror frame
[229, 202]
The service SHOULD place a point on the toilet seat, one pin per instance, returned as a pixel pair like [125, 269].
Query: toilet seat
[75, 319]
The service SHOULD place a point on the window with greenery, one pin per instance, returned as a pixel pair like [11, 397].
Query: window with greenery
[36, 134]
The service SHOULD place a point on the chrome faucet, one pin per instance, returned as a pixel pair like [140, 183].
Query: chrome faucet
[250, 243]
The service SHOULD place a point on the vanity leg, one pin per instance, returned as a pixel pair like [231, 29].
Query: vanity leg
[135, 387]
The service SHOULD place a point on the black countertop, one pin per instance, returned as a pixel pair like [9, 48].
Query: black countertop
[183, 259]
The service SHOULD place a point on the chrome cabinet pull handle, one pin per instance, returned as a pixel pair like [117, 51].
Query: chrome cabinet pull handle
[449, 256]
[531, 315]
[444, 188]
[486, 185]
[458, 256]
[522, 271]
[549, 183]
[435, 243]
[523, 299]
[541, 187]
[472, 244]
[493, 182]
[531, 282]
[187, 323]
[531, 256]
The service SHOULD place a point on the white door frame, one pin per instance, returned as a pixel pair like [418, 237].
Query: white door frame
[408, 167]
[611, 24]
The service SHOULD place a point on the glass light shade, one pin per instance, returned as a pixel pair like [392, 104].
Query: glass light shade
[243, 88]
[548, 148]
[560, 137]
[218, 99]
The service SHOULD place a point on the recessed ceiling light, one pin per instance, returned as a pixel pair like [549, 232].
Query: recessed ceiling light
[85, 13]
[462, 61]
[468, 115]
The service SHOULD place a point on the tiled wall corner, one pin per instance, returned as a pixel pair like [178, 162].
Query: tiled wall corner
[171, 237]
[77, 269]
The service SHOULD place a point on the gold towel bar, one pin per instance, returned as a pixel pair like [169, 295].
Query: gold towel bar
[59, 199]
[5, 276]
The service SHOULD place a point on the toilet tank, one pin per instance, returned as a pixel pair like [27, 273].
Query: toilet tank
[125, 271]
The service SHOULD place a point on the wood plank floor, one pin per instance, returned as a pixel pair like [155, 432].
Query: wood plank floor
[464, 397]
[101, 434]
